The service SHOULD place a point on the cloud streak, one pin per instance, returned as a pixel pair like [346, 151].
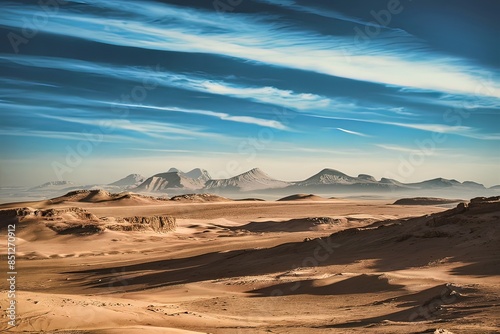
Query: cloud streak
[266, 94]
[353, 132]
[250, 38]
[458, 130]
[222, 116]
[157, 130]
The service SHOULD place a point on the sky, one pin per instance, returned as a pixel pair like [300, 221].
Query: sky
[93, 90]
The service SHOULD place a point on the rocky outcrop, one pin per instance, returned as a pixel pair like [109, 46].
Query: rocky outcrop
[48, 213]
[156, 223]
[325, 220]
[425, 201]
[463, 211]
[484, 204]
[77, 221]
[78, 229]
[199, 198]
[17, 212]
[77, 212]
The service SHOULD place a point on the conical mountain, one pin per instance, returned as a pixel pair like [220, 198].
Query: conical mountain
[329, 176]
[198, 173]
[171, 180]
[254, 179]
[131, 180]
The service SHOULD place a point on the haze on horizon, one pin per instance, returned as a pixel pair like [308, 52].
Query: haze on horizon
[406, 90]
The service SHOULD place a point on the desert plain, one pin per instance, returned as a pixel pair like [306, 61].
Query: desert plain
[91, 262]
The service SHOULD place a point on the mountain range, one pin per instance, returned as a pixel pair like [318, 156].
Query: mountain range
[327, 181]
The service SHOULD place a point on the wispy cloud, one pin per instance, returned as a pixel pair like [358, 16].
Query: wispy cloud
[64, 135]
[149, 128]
[269, 95]
[327, 13]
[197, 152]
[250, 38]
[353, 132]
[398, 148]
[223, 116]
[266, 94]
[315, 151]
[401, 111]
[459, 130]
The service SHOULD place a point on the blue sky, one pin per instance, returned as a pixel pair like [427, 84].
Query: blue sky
[94, 90]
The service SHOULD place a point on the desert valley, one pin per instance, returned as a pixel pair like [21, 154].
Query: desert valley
[95, 262]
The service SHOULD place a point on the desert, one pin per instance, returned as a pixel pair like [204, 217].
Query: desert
[96, 262]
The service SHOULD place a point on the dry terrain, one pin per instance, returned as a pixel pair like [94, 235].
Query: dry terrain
[92, 262]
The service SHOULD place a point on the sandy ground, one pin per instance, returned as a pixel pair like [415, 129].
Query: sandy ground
[260, 267]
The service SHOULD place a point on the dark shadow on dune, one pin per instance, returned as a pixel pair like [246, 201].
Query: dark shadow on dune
[459, 236]
[486, 268]
[401, 316]
[439, 302]
[353, 285]
[292, 225]
[251, 199]
[210, 266]
[342, 248]
[302, 197]
[81, 230]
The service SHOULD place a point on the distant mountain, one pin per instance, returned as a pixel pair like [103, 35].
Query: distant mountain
[328, 176]
[131, 180]
[54, 185]
[252, 180]
[198, 173]
[366, 177]
[435, 183]
[333, 180]
[473, 184]
[172, 180]
[392, 182]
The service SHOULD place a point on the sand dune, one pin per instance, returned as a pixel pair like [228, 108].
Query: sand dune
[103, 196]
[303, 197]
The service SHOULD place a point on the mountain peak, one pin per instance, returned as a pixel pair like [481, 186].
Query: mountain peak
[171, 180]
[328, 176]
[174, 170]
[54, 184]
[129, 180]
[198, 173]
[254, 179]
[473, 184]
[330, 171]
[366, 177]
[256, 171]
